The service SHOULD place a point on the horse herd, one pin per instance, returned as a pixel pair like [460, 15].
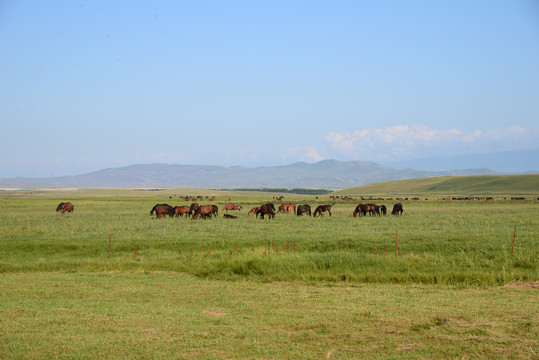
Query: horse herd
[209, 211]
[268, 209]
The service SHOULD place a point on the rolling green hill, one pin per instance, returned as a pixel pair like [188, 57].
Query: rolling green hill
[444, 185]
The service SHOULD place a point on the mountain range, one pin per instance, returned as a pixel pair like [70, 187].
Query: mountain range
[329, 174]
[515, 162]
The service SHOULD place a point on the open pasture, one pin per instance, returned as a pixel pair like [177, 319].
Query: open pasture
[439, 242]
[328, 287]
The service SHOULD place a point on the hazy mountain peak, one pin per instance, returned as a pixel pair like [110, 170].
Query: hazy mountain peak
[329, 173]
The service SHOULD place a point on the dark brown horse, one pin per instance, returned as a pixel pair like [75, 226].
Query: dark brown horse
[64, 207]
[304, 209]
[397, 209]
[181, 210]
[193, 208]
[266, 209]
[214, 210]
[162, 210]
[363, 209]
[228, 216]
[287, 207]
[322, 208]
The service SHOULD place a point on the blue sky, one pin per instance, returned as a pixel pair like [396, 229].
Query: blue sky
[87, 85]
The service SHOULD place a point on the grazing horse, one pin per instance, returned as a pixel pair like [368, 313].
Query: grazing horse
[287, 207]
[214, 210]
[165, 209]
[383, 210]
[64, 207]
[193, 208]
[323, 208]
[181, 210]
[162, 210]
[228, 216]
[363, 209]
[253, 211]
[304, 209]
[397, 209]
[266, 209]
[230, 206]
[206, 211]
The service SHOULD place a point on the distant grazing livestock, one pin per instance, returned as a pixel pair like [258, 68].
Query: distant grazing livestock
[253, 211]
[397, 209]
[182, 210]
[206, 211]
[266, 209]
[164, 209]
[322, 208]
[363, 209]
[230, 206]
[303, 209]
[287, 207]
[64, 207]
[228, 216]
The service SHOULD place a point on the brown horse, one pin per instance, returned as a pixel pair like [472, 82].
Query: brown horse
[266, 209]
[287, 207]
[363, 209]
[64, 207]
[228, 216]
[323, 208]
[164, 209]
[206, 211]
[214, 210]
[230, 206]
[181, 210]
[193, 208]
[253, 211]
[304, 209]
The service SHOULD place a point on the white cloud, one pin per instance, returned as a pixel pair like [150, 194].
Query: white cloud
[404, 141]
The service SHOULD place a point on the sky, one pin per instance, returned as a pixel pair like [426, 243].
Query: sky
[88, 85]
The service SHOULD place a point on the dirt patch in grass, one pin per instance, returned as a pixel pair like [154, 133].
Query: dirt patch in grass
[522, 284]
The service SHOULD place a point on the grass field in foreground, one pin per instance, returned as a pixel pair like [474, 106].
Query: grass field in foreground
[160, 315]
[454, 290]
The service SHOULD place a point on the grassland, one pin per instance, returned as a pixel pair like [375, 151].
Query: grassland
[451, 185]
[328, 287]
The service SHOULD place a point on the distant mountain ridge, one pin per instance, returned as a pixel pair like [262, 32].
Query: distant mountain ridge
[514, 162]
[330, 174]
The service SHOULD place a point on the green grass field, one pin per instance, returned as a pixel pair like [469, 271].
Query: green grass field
[451, 185]
[293, 287]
